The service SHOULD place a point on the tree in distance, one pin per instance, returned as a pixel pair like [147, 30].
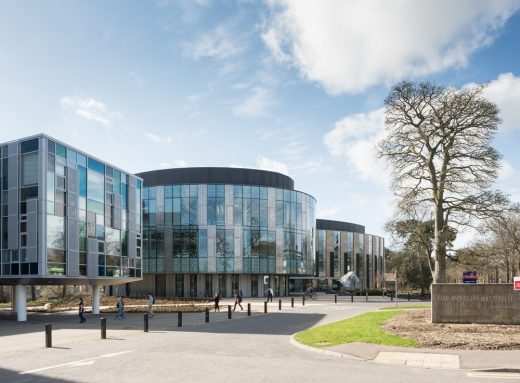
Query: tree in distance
[438, 145]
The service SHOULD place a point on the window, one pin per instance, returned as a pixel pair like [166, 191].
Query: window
[61, 151]
[30, 169]
[55, 232]
[216, 205]
[95, 186]
[71, 156]
[51, 146]
[29, 145]
[179, 285]
[209, 285]
[96, 166]
[29, 193]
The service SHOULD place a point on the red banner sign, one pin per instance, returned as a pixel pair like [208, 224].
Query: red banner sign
[516, 281]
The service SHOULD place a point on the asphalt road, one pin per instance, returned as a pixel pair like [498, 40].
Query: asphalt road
[244, 349]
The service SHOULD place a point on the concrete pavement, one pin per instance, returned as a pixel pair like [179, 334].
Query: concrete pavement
[255, 348]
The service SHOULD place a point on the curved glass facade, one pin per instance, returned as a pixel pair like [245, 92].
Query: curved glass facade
[200, 238]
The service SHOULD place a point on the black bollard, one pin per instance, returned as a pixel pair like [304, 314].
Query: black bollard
[408, 296]
[391, 297]
[207, 315]
[303, 300]
[352, 297]
[279, 304]
[265, 307]
[366, 296]
[145, 322]
[229, 312]
[249, 309]
[48, 335]
[292, 302]
[179, 319]
[335, 298]
[103, 328]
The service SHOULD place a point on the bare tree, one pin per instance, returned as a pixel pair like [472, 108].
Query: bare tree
[438, 144]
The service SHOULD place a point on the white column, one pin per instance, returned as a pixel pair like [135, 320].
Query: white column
[95, 299]
[21, 304]
[13, 299]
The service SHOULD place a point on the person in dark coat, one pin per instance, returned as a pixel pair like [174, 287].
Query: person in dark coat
[217, 300]
[270, 294]
[238, 301]
[81, 311]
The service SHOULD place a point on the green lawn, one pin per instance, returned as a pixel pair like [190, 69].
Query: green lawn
[364, 328]
[399, 307]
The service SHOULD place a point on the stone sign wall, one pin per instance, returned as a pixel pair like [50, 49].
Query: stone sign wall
[475, 303]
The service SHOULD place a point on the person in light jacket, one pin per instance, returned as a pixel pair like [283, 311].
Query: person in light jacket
[150, 305]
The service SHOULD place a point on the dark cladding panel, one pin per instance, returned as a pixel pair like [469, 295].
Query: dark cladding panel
[325, 224]
[227, 176]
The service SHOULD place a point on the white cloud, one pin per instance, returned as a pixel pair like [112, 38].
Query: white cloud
[90, 109]
[313, 165]
[220, 43]
[355, 138]
[505, 92]
[175, 164]
[258, 104]
[347, 46]
[509, 180]
[328, 212]
[158, 139]
[138, 80]
[265, 163]
[506, 171]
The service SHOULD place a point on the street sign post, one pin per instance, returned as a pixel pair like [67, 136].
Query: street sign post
[469, 277]
[392, 277]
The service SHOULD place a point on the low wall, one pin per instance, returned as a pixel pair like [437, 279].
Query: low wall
[475, 303]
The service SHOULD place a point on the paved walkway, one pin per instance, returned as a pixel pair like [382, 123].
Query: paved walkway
[18, 338]
[432, 358]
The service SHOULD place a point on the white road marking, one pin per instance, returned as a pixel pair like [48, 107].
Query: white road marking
[76, 363]
[494, 375]
[86, 363]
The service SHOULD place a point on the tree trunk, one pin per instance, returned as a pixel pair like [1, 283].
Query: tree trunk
[507, 269]
[421, 274]
[439, 247]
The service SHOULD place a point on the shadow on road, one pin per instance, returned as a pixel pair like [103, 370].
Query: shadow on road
[276, 322]
[9, 376]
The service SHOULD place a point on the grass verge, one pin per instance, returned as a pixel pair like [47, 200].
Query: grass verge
[364, 328]
[399, 307]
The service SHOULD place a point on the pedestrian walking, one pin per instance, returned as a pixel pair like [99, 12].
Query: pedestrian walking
[150, 304]
[216, 298]
[269, 294]
[238, 301]
[81, 311]
[120, 308]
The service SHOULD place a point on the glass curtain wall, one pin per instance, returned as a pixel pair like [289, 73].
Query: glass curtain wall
[232, 234]
[81, 199]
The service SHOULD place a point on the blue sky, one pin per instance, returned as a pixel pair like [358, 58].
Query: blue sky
[290, 86]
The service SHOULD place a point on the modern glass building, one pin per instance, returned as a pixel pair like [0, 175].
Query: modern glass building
[342, 247]
[66, 218]
[224, 229]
